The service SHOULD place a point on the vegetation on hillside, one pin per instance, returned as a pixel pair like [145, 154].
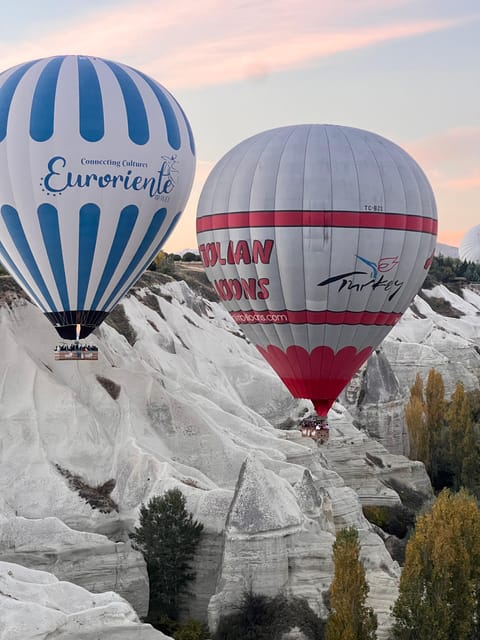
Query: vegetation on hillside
[445, 434]
[350, 618]
[448, 271]
[260, 617]
[168, 537]
[439, 597]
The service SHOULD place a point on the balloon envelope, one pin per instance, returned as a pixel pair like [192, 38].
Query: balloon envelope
[96, 164]
[316, 238]
[469, 248]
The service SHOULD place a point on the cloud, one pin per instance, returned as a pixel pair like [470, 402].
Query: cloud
[450, 146]
[451, 159]
[465, 183]
[205, 42]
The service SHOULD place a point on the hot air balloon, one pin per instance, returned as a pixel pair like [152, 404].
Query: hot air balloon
[316, 238]
[96, 164]
[469, 248]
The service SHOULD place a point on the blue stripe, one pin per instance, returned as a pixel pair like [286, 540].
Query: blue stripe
[43, 101]
[87, 233]
[7, 91]
[48, 218]
[149, 237]
[149, 260]
[126, 223]
[173, 130]
[189, 129]
[90, 102]
[15, 229]
[18, 276]
[136, 113]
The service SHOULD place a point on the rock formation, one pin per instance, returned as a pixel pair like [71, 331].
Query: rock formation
[34, 604]
[180, 399]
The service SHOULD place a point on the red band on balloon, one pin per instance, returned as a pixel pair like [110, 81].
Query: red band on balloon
[345, 219]
[319, 375]
[316, 317]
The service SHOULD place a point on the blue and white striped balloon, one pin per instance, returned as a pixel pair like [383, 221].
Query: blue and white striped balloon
[96, 165]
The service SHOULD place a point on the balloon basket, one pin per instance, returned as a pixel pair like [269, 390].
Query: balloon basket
[76, 351]
[315, 428]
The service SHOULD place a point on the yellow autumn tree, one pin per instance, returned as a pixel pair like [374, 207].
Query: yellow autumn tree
[426, 419]
[416, 390]
[439, 596]
[435, 418]
[350, 618]
[470, 474]
[417, 434]
[416, 423]
[459, 423]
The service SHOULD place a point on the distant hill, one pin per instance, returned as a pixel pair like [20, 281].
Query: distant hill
[446, 250]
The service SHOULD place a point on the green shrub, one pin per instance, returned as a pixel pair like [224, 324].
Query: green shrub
[396, 520]
[260, 617]
[192, 630]
[377, 515]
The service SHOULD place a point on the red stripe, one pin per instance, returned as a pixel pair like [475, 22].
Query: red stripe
[316, 317]
[320, 374]
[349, 219]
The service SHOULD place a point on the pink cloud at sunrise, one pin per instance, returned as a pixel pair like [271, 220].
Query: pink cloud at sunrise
[452, 238]
[448, 146]
[210, 42]
[451, 160]
[403, 68]
[242, 55]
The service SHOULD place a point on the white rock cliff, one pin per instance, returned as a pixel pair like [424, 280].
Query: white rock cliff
[179, 398]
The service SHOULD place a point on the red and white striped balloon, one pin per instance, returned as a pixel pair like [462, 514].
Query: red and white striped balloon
[316, 238]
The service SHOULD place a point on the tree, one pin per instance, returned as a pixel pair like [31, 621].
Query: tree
[168, 537]
[415, 417]
[417, 433]
[425, 416]
[261, 617]
[439, 596]
[459, 422]
[470, 474]
[350, 618]
[435, 416]
[163, 263]
[189, 256]
[416, 390]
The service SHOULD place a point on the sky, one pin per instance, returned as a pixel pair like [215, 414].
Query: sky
[405, 69]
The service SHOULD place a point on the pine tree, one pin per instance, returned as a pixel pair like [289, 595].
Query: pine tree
[350, 618]
[440, 584]
[168, 537]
